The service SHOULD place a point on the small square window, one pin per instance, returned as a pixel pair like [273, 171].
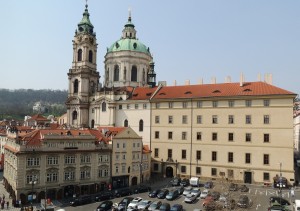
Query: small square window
[266, 138]
[170, 119]
[214, 136]
[183, 169]
[120, 107]
[156, 134]
[184, 104]
[170, 135]
[199, 104]
[199, 136]
[266, 119]
[266, 176]
[136, 106]
[231, 103]
[248, 103]
[215, 119]
[215, 104]
[230, 136]
[213, 171]
[198, 170]
[230, 119]
[266, 103]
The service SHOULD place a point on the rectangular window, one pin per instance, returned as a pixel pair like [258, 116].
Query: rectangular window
[123, 168]
[248, 103]
[213, 171]
[120, 107]
[266, 103]
[156, 134]
[230, 173]
[70, 159]
[183, 169]
[128, 106]
[266, 176]
[199, 136]
[85, 158]
[184, 104]
[183, 136]
[155, 166]
[266, 138]
[85, 174]
[248, 158]
[31, 178]
[266, 119]
[144, 106]
[124, 145]
[248, 119]
[52, 177]
[230, 119]
[198, 155]
[215, 119]
[157, 105]
[69, 176]
[103, 173]
[266, 159]
[156, 152]
[170, 154]
[214, 136]
[214, 156]
[170, 119]
[183, 154]
[33, 161]
[231, 103]
[170, 135]
[230, 136]
[199, 119]
[136, 106]
[215, 104]
[157, 119]
[248, 137]
[52, 160]
[103, 158]
[184, 119]
[230, 157]
[199, 104]
[171, 104]
[198, 170]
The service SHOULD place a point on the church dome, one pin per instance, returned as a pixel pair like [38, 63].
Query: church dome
[128, 44]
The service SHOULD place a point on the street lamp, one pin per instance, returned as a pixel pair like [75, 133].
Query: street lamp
[141, 172]
[32, 183]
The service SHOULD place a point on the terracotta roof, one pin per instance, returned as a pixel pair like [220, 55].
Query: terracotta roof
[146, 149]
[142, 93]
[108, 132]
[38, 117]
[220, 90]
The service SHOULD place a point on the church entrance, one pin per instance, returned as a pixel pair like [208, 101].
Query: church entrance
[169, 172]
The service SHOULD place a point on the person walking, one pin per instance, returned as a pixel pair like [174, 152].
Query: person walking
[292, 192]
[7, 204]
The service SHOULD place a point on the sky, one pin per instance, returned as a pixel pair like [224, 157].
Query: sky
[190, 40]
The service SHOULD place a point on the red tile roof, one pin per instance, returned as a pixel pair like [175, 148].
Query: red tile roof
[143, 93]
[38, 117]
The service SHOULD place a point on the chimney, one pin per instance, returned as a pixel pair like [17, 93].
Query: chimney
[175, 83]
[200, 81]
[271, 79]
[258, 77]
[227, 79]
[213, 80]
[187, 82]
[242, 79]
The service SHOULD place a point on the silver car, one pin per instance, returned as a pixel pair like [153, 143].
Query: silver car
[143, 204]
[187, 191]
[204, 193]
[190, 198]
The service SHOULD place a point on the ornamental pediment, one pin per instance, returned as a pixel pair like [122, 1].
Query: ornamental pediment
[73, 100]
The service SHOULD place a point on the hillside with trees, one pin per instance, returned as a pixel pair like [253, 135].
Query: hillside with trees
[16, 104]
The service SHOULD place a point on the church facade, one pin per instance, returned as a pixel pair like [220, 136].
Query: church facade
[236, 131]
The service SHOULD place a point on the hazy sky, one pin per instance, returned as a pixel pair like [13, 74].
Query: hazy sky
[190, 40]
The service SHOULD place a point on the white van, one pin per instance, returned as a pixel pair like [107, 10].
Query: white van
[297, 205]
[195, 181]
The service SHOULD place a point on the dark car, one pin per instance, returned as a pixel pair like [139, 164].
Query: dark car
[153, 194]
[81, 200]
[244, 188]
[174, 194]
[162, 194]
[185, 182]
[208, 185]
[279, 200]
[123, 192]
[177, 207]
[278, 207]
[165, 207]
[180, 189]
[105, 206]
[175, 182]
[233, 187]
[142, 189]
[244, 202]
[154, 205]
[124, 203]
[105, 195]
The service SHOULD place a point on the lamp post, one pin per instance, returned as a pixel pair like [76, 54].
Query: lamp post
[32, 183]
[141, 172]
[280, 181]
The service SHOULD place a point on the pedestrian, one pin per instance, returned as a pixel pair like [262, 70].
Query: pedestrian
[7, 204]
[292, 192]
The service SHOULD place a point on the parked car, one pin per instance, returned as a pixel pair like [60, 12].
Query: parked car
[105, 195]
[177, 207]
[278, 207]
[208, 185]
[233, 187]
[105, 206]
[215, 195]
[176, 181]
[86, 199]
[153, 194]
[174, 194]
[162, 194]
[190, 198]
[123, 192]
[141, 189]
[244, 201]
[204, 194]
[196, 191]
[135, 202]
[185, 182]
[124, 203]
[154, 205]
[244, 188]
[207, 200]
[279, 200]
[187, 191]
[230, 204]
[143, 204]
[180, 189]
[165, 207]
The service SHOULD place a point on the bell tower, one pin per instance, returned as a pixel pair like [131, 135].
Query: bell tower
[83, 76]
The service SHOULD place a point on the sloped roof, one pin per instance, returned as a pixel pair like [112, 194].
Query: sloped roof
[143, 93]
[38, 117]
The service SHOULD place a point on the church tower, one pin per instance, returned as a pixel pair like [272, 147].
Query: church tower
[83, 76]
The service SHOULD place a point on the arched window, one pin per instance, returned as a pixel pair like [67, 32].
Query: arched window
[91, 56]
[141, 125]
[74, 115]
[79, 55]
[126, 123]
[92, 123]
[103, 107]
[76, 86]
[133, 73]
[116, 73]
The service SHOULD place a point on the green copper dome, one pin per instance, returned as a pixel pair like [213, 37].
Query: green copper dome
[128, 44]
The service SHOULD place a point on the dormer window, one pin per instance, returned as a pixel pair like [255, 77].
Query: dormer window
[216, 91]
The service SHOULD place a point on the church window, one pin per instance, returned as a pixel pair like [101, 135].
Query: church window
[76, 86]
[133, 73]
[93, 87]
[92, 123]
[116, 73]
[90, 56]
[74, 115]
[79, 56]
[103, 107]
[126, 123]
[141, 125]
